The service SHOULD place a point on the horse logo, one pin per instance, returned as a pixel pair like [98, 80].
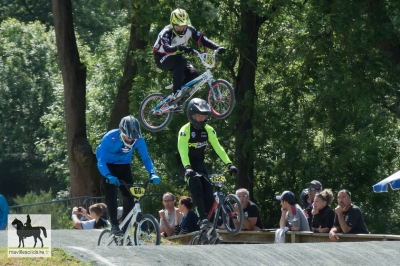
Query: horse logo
[27, 230]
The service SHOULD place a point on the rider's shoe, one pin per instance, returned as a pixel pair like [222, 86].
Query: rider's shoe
[129, 241]
[213, 237]
[205, 224]
[178, 109]
[115, 230]
[176, 95]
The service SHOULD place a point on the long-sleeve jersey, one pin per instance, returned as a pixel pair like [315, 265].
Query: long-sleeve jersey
[192, 143]
[112, 150]
[4, 211]
[167, 42]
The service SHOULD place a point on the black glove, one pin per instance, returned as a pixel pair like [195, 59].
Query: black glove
[232, 169]
[190, 172]
[186, 49]
[221, 50]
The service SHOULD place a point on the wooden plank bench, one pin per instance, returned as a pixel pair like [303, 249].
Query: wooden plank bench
[268, 237]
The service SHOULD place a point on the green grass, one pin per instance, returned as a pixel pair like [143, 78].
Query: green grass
[58, 257]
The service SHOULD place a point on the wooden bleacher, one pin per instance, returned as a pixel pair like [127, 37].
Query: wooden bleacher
[268, 236]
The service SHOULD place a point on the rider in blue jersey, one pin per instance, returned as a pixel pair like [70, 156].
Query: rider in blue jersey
[114, 156]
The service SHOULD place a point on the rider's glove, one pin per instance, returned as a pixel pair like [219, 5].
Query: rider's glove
[112, 180]
[154, 179]
[186, 49]
[221, 50]
[232, 169]
[190, 172]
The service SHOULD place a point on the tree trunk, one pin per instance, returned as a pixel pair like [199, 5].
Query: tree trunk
[121, 104]
[84, 176]
[245, 93]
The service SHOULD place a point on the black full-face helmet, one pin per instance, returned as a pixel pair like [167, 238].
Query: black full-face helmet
[198, 106]
[129, 127]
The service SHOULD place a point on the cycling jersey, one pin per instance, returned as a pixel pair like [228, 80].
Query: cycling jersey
[112, 150]
[167, 42]
[192, 143]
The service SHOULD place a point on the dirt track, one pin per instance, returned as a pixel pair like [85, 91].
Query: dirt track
[83, 245]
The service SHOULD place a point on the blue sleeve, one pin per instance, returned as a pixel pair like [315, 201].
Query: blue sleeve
[144, 155]
[101, 154]
[4, 211]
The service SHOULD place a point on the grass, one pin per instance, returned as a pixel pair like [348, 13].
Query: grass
[58, 257]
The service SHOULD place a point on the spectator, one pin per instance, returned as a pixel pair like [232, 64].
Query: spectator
[167, 215]
[292, 214]
[94, 220]
[4, 211]
[313, 188]
[252, 219]
[190, 219]
[348, 217]
[322, 214]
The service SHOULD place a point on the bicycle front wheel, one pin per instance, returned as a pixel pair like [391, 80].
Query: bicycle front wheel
[154, 115]
[104, 239]
[221, 99]
[199, 239]
[147, 231]
[232, 209]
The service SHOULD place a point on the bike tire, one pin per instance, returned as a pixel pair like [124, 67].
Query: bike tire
[229, 210]
[147, 232]
[199, 239]
[154, 121]
[223, 105]
[104, 236]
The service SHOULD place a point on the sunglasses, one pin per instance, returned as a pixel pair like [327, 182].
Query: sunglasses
[313, 188]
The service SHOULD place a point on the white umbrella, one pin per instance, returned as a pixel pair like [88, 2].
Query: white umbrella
[393, 181]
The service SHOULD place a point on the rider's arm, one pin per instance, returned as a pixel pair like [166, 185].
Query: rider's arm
[183, 144]
[144, 155]
[165, 39]
[102, 152]
[201, 39]
[212, 138]
[3, 212]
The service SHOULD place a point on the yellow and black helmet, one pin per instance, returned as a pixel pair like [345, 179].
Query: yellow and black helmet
[179, 17]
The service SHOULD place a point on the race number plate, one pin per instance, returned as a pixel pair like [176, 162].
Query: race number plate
[137, 191]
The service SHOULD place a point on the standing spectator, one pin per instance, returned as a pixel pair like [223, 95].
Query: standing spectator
[167, 215]
[94, 220]
[322, 214]
[314, 187]
[189, 222]
[348, 217]
[114, 156]
[4, 211]
[292, 215]
[252, 220]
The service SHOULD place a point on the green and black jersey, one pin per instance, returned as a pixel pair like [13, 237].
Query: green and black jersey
[192, 143]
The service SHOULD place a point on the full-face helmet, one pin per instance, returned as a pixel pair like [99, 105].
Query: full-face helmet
[130, 128]
[198, 106]
[179, 17]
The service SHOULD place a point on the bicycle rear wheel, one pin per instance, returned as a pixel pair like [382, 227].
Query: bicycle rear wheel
[223, 99]
[104, 237]
[153, 115]
[228, 214]
[147, 232]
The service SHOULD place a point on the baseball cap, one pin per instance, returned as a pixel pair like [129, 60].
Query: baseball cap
[287, 196]
[315, 183]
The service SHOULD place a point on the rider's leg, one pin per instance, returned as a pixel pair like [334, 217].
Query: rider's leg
[174, 63]
[190, 73]
[111, 201]
[127, 200]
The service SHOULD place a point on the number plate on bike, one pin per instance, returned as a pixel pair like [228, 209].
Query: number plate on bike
[218, 178]
[137, 191]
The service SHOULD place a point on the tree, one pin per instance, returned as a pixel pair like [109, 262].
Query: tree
[84, 175]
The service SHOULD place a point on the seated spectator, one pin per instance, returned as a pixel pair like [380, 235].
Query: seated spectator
[322, 214]
[292, 215]
[252, 220]
[167, 215]
[348, 217]
[314, 187]
[190, 219]
[94, 220]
